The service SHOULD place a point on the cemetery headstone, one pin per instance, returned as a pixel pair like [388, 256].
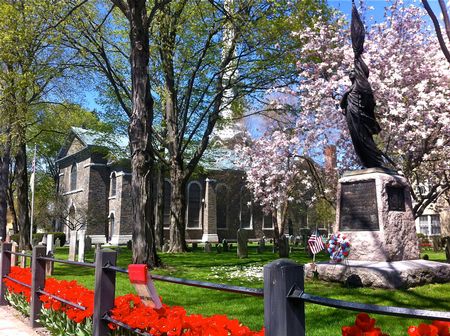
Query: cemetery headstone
[242, 240]
[57, 242]
[225, 245]
[14, 248]
[219, 248]
[49, 265]
[298, 240]
[23, 260]
[88, 244]
[129, 244]
[81, 245]
[291, 240]
[262, 244]
[72, 246]
[230, 246]
[50, 246]
[208, 248]
[165, 247]
[283, 247]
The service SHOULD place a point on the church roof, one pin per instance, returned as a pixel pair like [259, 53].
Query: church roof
[220, 158]
[116, 144]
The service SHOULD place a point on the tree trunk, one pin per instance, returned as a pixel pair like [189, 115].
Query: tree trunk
[12, 209]
[177, 211]
[23, 218]
[4, 183]
[280, 227]
[159, 207]
[142, 161]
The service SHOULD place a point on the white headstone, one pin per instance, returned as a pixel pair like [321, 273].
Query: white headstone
[72, 245]
[81, 244]
[49, 243]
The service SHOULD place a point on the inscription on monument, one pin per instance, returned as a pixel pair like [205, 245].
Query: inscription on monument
[396, 198]
[359, 211]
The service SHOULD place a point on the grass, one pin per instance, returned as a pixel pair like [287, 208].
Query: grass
[214, 267]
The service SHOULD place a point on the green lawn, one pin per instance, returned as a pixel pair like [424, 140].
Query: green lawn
[220, 268]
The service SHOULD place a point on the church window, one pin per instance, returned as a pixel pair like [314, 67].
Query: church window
[113, 184]
[73, 177]
[194, 205]
[222, 199]
[267, 221]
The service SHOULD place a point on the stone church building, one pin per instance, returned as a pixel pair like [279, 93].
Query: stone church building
[95, 194]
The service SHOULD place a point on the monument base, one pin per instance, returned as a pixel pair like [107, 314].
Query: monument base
[391, 275]
[374, 211]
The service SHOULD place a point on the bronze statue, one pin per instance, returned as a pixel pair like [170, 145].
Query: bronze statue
[358, 103]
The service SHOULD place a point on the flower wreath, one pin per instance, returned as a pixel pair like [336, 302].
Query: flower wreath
[338, 247]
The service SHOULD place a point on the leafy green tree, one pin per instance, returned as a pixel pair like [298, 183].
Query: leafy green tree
[31, 64]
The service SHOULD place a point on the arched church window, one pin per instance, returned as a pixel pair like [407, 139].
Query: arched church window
[73, 177]
[167, 191]
[222, 199]
[113, 184]
[194, 205]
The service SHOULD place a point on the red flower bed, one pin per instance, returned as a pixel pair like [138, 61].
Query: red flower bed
[173, 321]
[129, 309]
[437, 328]
[72, 292]
[364, 326]
[22, 275]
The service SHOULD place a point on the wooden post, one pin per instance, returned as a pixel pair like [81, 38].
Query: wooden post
[105, 287]
[5, 268]
[37, 283]
[283, 317]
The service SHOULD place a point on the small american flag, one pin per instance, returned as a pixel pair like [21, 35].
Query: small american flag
[315, 243]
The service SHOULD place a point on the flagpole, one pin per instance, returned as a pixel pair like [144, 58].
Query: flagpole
[33, 175]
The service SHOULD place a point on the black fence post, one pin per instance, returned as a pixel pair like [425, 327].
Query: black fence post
[283, 317]
[37, 283]
[5, 268]
[105, 287]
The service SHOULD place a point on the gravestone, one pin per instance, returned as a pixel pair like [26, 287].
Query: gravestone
[88, 244]
[298, 240]
[219, 248]
[225, 245]
[129, 244]
[14, 248]
[374, 211]
[283, 246]
[43, 240]
[50, 246]
[49, 265]
[242, 240]
[262, 245]
[23, 260]
[291, 240]
[57, 242]
[165, 247]
[81, 245]
[72, 245]
[208, 247]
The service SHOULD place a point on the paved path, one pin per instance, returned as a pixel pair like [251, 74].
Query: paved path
[12, 325]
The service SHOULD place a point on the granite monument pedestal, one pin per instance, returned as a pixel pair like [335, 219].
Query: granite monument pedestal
[374, 211]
